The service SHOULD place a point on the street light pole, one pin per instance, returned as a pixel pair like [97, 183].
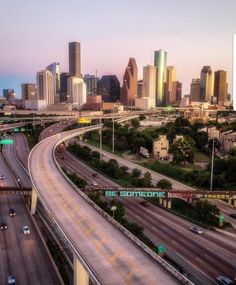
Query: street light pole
[212, 163]
[113, 135]
[100, 121]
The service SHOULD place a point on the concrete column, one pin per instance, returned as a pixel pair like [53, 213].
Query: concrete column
[34, 198]
[234, 203]
[230, 201]
[165, 203]
[169, 203]
[160, 201]
[81, 276]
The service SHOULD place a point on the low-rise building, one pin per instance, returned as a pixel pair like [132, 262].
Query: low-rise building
[227, 140]
[160, 147]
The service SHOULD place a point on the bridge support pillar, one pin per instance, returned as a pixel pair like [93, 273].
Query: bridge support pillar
[161, 201]
[230, 201]
[81, 276]
[234, 203]
[167, 203]
[33, 204]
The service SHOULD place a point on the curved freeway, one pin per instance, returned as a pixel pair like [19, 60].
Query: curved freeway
[109, 256]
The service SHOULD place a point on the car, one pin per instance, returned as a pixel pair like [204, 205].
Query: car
[144, 203]
[196, 230]
[26, 230]
[94, 183]
[3, 226]
[95, 175]
[223, 280]
[233, 215]
[12, 213]
[2, 177]
[11, 280]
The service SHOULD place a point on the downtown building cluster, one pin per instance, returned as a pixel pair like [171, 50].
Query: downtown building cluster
[158, 87]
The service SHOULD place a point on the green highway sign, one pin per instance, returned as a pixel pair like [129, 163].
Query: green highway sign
[169, 108]
[6, 141]
[161, 250]
[221, 220]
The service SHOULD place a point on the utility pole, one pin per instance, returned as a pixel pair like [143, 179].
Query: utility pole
[212, 163]
[113, 134]
[100, 122]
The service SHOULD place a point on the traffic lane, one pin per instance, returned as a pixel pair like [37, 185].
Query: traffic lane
[206, 260]
[22, 149]
[54, 129]
[86, 172]
[28, 260]
[10, 180]
[79, 167]
[80, 221]
[10, 156]
[155, 176]
[75, 165]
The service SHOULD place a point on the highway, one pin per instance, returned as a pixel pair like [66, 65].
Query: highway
[21, 255]
[176, 185]
[208, 255]
[112, 260]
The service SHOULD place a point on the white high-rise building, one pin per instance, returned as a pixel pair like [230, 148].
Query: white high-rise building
[76, 91]
[149, 85]
[54, 68]
[171, 85]
[45, 87]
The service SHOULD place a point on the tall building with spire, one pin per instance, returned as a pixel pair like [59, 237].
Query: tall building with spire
[160, 61]
[206, 84]
[129, 88]
[74, 59]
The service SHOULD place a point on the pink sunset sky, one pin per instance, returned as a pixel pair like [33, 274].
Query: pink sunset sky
[194, 33]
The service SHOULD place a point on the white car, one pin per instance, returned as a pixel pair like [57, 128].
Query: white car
[94, 183]
[26, 230]
[196, 230]
[11, 280]
[2, 177]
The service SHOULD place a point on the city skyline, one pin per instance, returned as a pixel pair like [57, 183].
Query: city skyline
[190, 40]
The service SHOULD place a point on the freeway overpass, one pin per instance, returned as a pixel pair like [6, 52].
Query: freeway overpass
[106, 254]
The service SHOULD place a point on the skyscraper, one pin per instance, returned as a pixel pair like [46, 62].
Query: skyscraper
[129, 89]
[170, 86]
[45, 87]
[74, 59]
[195, 90]
[54, 68]
[206, 84]
[28, 91]
[7, 93]
[109, 88]
[63, 80]
[178, 92]
[91, 82]
[149, 85]
[220, 87]
[160, 60]
[76, 91]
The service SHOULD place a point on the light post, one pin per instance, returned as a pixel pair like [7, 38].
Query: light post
[113, 209]
[100, 122]
[113, 134]
[212, 164]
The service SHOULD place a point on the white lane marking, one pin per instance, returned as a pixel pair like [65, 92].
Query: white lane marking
[195, 267]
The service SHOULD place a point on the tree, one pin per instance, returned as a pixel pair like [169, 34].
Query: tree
[147, 179]
[136, 173]
[232, 152]
[205, 210]
[164, 184]
[201, 139]
[182, 150]
[135, 123]
[142, 117]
